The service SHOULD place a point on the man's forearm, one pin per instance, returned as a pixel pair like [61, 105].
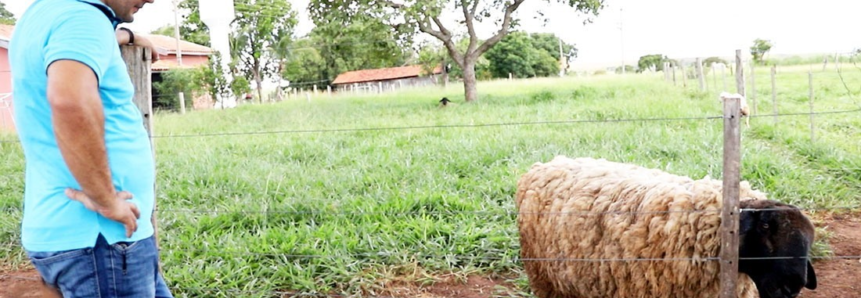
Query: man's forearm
[79, 126]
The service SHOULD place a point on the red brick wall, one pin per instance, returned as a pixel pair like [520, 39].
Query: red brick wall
[5, 87]
[186, 60]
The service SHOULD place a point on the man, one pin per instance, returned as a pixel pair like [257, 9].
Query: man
[89, 173]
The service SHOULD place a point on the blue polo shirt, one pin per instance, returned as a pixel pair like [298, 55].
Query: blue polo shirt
[83, 31]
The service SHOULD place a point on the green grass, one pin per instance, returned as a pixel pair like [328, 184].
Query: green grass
[340, 198]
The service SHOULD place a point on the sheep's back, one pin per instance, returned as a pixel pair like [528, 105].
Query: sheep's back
[573, 213]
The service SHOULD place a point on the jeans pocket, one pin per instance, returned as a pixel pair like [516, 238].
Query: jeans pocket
[73, 272]
[46, 258]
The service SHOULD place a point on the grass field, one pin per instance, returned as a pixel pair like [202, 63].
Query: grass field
[342, 195]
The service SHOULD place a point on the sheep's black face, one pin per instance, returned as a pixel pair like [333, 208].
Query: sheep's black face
[774, 243]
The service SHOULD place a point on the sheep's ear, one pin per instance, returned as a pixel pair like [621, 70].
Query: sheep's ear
[747, 220]
[811, 277]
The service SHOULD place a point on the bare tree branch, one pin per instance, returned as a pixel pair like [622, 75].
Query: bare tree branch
[426, 27]
[473, 39]
[506, 24]
[455, 55]
[443, 35]
[392, 4]
[474, 7]
[441, 27]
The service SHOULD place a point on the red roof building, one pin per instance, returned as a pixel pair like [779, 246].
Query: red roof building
[386, 78]
[193, 55]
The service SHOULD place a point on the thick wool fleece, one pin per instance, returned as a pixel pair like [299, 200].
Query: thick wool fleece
[595, 209]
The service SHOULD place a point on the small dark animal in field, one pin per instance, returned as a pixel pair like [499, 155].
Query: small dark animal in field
[444, 102]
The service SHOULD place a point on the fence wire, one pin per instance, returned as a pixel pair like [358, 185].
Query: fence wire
[499, 124]
[453, 257]
[453, 213]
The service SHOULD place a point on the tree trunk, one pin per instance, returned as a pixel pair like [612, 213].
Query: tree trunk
[469, 82]
[259, 82]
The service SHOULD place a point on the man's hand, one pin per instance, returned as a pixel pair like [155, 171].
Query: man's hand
[119, 210]
[123, 38]
[142, 41]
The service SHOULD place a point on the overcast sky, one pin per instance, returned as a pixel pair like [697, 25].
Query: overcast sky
[676, 28]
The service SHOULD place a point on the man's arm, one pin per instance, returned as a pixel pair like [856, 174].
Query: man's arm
[79, 126]
[123, 38]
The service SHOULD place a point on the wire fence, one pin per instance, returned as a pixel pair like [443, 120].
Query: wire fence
[453, 257]
[480, 125]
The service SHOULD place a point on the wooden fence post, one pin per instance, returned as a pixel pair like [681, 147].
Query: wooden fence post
[812, 128]
[739, 73]
[684, 76]
[730, 212]
[774, 94]
[714, 76]
[674, 73]
[666, 70]
[139, 64]
[700, 76]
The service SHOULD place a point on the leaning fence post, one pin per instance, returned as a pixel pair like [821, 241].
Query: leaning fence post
[139, 65]
[729, 211]
[700, 75]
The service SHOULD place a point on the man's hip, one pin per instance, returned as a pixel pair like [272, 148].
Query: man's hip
[124, 269]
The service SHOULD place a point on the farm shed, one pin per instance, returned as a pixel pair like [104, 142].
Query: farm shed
[385, 78]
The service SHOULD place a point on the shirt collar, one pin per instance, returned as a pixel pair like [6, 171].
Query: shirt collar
[115, 21]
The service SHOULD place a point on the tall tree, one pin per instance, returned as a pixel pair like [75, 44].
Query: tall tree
[653, 61]
[304, 66]
[554, 46]
[348, 40]
[513, 55]
[192, 28]
[759, 49]
[6, 17]
[261, 25]
[528, 55]
[425, 15]
[166, 30]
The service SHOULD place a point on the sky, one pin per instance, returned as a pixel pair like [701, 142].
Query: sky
[677, 28]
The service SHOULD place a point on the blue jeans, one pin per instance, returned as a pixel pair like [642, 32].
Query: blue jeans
[124, 269]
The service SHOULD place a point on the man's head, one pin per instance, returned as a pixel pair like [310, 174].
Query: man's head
[126, 9]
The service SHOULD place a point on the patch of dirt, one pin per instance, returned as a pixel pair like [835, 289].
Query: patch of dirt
[839, 277]
[836, 277]
[24, 284]
[473, 286]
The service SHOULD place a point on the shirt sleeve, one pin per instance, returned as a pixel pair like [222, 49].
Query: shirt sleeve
[85, 35]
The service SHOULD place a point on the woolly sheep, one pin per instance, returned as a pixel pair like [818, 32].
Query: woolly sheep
[745, 109]
[588, 208]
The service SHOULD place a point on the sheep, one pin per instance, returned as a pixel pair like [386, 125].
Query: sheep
[444, 102]
[571, 211]
[745, 109]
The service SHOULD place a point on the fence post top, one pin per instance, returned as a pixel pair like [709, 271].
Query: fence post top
[727, 95]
